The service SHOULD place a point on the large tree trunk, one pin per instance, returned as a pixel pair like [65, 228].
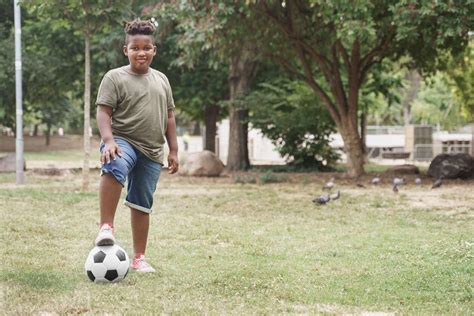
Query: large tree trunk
[87, 107]
[211, 113]
[354, 149]
[241, 74]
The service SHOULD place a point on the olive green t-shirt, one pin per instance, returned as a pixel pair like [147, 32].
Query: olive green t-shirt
[140, 106]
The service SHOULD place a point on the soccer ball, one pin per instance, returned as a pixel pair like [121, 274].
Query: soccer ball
[106, 264]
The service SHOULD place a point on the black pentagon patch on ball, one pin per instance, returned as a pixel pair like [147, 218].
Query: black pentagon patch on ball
[125, 274]
[121, 255]
[111, 275]
[99, 257]
[90, 275]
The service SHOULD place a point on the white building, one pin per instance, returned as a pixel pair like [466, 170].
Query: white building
[379, 141]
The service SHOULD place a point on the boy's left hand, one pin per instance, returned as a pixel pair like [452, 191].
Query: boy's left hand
[173, 164]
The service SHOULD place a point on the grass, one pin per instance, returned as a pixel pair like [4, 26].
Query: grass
[226, 248]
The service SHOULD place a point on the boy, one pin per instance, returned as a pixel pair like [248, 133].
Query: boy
[134, 115]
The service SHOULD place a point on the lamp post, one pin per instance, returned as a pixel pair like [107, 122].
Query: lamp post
[20, 179]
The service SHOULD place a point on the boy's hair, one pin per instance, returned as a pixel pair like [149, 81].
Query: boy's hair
[140, 27]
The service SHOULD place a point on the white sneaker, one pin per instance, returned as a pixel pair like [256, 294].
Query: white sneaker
[140, 265]
[105, 236]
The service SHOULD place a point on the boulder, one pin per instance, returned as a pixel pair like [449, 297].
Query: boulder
[405, 169]
[452, 166]
[8, 163]
[202, 164]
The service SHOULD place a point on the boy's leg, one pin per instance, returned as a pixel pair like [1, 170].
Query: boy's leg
[109, 195]
[140, 226]
[142, 183]
[114, 175]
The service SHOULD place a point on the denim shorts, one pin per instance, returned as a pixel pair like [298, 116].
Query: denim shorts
[141, 172]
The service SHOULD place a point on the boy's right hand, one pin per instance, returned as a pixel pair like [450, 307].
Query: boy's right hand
[111, 150]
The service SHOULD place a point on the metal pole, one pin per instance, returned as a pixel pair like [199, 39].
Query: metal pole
[20, 179]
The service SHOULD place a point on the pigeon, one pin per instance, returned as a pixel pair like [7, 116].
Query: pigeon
[330, 184]
[322, 199]
[417, 180]
[398, 181]
[438, 182]
[376, 180]
[360, 185]
[395, 188]
[335, 196]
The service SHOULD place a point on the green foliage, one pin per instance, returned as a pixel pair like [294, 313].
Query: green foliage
[381, 94]
[291, 116]
[7, 80]
[215, 31]
[436, 104]
[460, 69]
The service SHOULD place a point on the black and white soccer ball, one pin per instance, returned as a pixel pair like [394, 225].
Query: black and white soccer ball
[107, 264]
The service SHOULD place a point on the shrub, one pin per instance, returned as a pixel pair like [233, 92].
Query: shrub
[290, 115]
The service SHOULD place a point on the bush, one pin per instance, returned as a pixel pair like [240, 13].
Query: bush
[290, 115]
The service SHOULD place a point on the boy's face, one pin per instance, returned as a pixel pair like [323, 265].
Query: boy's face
[140, 52]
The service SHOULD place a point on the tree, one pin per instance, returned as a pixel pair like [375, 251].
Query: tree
[197, 90]
[7, 65]
[223, 33]
[48, 52]
[85, 18]
[343, 40]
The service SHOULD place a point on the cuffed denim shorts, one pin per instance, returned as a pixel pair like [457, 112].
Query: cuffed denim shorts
[141, 172]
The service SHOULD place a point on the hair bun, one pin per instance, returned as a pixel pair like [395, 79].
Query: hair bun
[138, 26]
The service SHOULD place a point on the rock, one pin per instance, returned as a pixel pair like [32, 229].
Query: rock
[452, 166]
[405, 169]
[202, 164]
[8, 163]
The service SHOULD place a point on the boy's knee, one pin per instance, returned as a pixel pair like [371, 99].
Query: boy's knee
[117, 168]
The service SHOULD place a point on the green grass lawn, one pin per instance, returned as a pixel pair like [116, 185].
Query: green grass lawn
[226, 248]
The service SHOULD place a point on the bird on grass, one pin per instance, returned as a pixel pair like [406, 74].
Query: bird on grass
[438, 182]
[376, 180]
[398, 181]
[395, 188]
[322, 199]
[335, 196]
[330, 184]
[325, 198]
[417, 180]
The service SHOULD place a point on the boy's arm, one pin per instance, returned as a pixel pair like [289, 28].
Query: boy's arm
[111, 149]
[173, 164]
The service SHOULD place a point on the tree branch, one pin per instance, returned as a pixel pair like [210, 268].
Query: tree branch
[378, 51]
[287, 28]
[345, 56]
[352, 101]
[337, 87]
